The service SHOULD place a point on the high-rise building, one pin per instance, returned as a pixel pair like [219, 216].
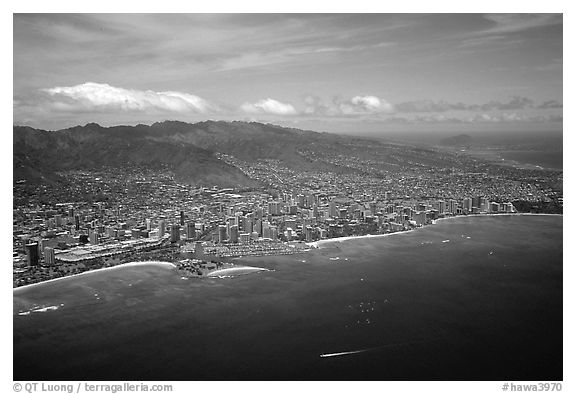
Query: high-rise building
[259, 213]
[32, 254]
[452, 206]
[274, 233]
[174, 233]
[190, 230]
[161, 228]
[94, 237]
[247, 224]
[111, 232]
[274, 208]
[266, 230]
[476, 202]
[148, 224]
[258, 227]
[439, 206]
[198, 250]
[222, 233]
[234, 234]
[484, 204]
[308, 232]
[236, 219]
[420, 218]
[333, 209]
[181, 218]
[77, 222]
[49, 256]
[467, 204]
[245, 238]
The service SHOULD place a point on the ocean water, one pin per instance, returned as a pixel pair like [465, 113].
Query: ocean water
[545, 159]
[476, 298]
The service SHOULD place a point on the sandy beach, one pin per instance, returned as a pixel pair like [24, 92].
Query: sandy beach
[133, 264]
[317, 244]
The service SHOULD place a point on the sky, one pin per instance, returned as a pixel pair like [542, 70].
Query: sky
[344, 73]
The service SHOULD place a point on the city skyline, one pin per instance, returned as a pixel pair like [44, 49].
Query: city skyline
[351, 73]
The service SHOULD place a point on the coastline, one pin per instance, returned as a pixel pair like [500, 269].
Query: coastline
[497, 214]
[317, 244]
[131, 264]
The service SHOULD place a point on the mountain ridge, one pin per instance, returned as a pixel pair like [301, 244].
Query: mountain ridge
[188, 148]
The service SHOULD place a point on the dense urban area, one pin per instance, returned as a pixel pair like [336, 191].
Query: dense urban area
[106, 216]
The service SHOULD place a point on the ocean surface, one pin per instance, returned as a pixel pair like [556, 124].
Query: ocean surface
[476, 298]
[544, 159]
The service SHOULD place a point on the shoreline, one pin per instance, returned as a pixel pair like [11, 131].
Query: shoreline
[497, 214]
[131, 264]
[317, 244]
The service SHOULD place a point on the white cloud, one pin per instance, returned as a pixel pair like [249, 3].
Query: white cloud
[269, 106]
[365, 105]
[98, 96]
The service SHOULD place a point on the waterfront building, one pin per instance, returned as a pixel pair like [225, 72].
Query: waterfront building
[452, 206]
[467, 204]
[420, 218]
[484, 204]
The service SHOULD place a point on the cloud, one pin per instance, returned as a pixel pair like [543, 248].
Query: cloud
[515, 103]
[269, 106]
[438, 118]
[97, 96]
[430, 106]
[512, 23]
[550, 104]
[514, 117]
[360, 105]
[316, 106]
